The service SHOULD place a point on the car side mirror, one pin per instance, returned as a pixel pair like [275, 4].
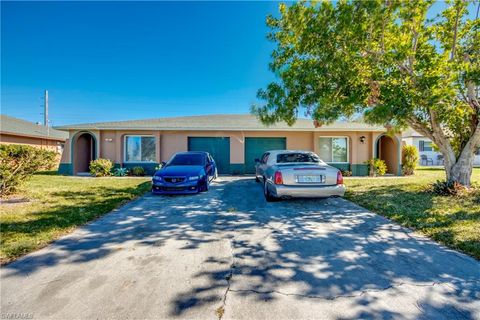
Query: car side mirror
[163, 163]
[257, 160]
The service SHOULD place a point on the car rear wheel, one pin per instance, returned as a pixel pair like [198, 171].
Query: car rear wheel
[266, 192]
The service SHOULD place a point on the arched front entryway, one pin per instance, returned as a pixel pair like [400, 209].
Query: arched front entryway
[83, 152]
[387, 149]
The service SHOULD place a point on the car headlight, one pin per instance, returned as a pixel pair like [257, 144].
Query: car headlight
[193, 178]
[157, 178]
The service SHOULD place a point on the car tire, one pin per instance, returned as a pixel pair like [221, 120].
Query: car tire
[205, 187]
[266, 192]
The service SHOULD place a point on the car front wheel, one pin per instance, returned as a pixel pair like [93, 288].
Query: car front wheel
[203, 187]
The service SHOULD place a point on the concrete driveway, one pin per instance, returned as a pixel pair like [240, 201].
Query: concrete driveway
[229, 254]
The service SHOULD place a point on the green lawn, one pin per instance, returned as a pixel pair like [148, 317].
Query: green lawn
[57, 205]
[453, 221]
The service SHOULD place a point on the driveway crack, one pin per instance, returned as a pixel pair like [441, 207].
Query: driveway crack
[220, 311]
[358, 294]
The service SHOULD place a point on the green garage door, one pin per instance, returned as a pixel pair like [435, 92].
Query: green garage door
[255, 147]
[218, 147]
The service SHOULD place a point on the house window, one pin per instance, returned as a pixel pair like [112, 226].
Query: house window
[140, 149]
[426, 145]
[333, 149]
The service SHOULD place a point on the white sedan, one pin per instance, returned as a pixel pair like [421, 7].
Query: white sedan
[296, 173]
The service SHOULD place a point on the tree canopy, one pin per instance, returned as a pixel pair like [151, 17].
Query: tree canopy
[386, 60]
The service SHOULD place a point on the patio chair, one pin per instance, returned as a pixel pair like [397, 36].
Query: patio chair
[426, 160]
[440, 159]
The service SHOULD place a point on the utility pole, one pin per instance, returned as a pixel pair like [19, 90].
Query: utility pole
[45, 111]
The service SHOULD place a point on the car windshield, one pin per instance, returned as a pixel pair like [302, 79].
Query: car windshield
[297, 157]
[192, 159]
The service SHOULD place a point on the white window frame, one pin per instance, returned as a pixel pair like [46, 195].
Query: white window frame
[137, 135]
[348, 147]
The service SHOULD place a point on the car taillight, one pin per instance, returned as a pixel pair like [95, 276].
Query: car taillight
[339, 177]
[277, 178]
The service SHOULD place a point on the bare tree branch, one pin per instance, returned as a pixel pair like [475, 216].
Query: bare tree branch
[455, 31]
[418, 126]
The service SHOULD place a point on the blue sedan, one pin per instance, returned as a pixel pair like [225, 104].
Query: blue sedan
[184, 173]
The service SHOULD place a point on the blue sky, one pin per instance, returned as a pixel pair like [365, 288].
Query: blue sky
[104, 61]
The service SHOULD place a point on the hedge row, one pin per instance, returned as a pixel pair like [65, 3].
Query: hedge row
[18, 162]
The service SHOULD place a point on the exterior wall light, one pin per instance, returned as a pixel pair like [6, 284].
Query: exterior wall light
[362, 139]
[108, 139]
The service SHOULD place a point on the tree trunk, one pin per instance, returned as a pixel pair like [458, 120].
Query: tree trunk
[461, 170]
[457, 169]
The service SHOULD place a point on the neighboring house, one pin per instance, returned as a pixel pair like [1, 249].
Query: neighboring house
[18, 131]
[235, 141]
[425, 149]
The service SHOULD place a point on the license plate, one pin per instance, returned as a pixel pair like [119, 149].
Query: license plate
[310, 179]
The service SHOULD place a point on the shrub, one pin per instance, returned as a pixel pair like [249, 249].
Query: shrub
[447, 188]
[101, 167]
[346, 173]
[137, 171]
[376, 167]
[18, 162]
[120, 172]
[409, 159]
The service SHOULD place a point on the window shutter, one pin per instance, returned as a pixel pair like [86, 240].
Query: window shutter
[421, 146]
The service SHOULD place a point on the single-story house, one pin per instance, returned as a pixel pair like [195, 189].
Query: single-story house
[428, 156]
[18, 131]
[235, 141]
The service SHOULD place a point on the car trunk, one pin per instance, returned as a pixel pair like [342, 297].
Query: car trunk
[308, 174]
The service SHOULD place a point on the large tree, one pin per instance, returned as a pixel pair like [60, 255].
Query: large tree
[387, 60]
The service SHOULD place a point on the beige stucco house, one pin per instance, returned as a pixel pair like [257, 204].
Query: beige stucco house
[235, 141]
[18, 131]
